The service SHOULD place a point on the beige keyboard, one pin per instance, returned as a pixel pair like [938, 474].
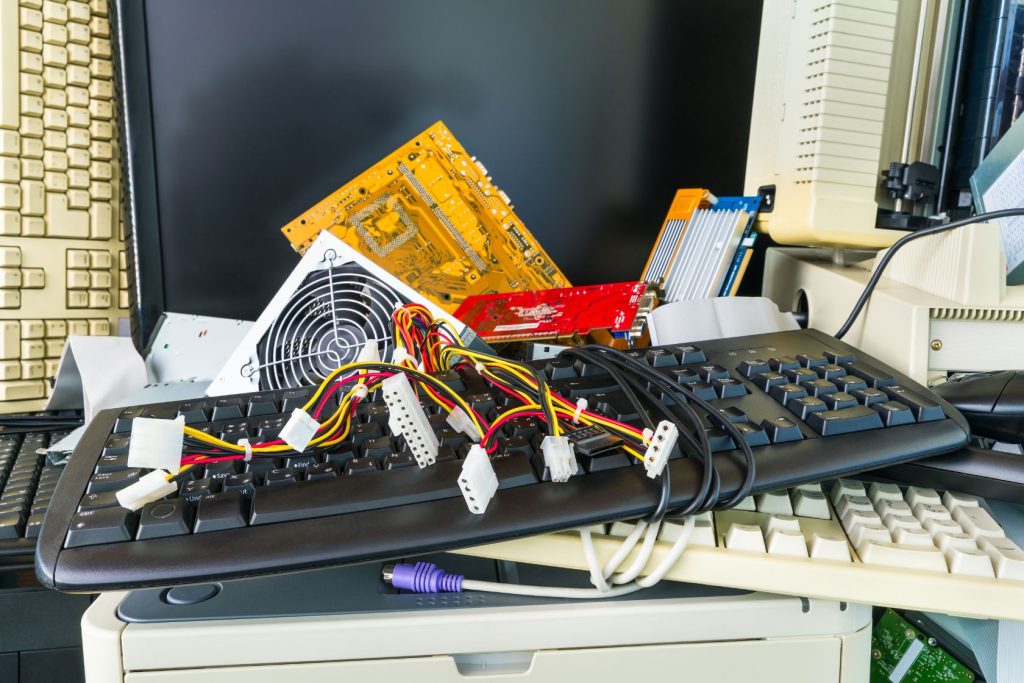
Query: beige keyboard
[877, 544]
[62, 261]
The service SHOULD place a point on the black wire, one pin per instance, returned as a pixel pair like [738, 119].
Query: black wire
[925, 232]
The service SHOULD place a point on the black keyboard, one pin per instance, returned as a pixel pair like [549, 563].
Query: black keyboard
[27, 483]
[810, 407]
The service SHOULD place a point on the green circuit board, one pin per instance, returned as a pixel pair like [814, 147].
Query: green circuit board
[902, 654]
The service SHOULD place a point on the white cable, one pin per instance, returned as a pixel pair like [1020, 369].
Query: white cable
[596, 574]
[673, 555]
[625, 548]
[642, 558]
[548, 591]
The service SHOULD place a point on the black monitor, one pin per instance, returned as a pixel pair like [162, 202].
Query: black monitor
[237, 115]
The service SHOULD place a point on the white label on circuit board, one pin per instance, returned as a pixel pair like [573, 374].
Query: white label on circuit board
[906, 661]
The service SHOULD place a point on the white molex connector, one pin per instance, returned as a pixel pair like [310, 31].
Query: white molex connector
[477, 480]
[408, 419]
[156, 444]
[299, 430]
[400, 355]
[369, 353]
[153, 486]
[460, 422]
[662, 442]
[559, 457]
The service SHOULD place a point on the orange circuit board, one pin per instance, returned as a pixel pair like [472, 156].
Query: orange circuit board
[429, 214]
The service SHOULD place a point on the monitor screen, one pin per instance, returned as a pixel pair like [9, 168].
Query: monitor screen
[588, 113]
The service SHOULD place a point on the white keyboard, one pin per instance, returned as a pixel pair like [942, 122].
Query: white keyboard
[62, 261]
[871, 543]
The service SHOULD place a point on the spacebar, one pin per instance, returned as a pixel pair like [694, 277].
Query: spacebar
[355, 493]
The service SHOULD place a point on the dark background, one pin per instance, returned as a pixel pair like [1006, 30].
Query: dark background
[588, 113]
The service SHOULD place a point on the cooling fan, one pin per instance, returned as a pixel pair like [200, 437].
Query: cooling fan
[330, 307]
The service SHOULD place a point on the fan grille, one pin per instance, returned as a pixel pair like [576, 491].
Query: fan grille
[325, 324]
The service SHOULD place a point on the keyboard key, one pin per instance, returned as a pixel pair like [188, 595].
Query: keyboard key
[782, 430]
[754, 434]
[361, 465]
[809, 501]
[829, 371]
[227, 409]
[923, 408]
[746, 504]
[869, 533]
[977, 522]
[917, 495]
[684, 376]
[905, 536]
[701, 390]
[803, 407]
[781, 363]
[262, 404]
[750, 368]
[811, 360]
[690, 354]
[112, 481]
[903, 556]
[953, 500]
[222, 511]
[894, 414]
[878, 492]
[12, 525]
[854, 518]
[96, 501]
[834, 422]
[782, 542]
[767, 380]
[710, 372]
[926, 511]
[728, 387]
[33, 525]
[848, 384]
[195, 489]
[941, 526]
[564, 368]
[874, 377]
[839, 357]
[783, 393]
[829, 547]
[745, 537]
[281, 476]
[733, 414]
[165, 518]
[839, 401]
[774, 502]
[888, 506]
[846, 503]
[779, 523]
[661, 358]
[1006, 557]
[969, 562]
[946, 540]
[244, 482]
[894, 522]
[109, 525]
[869, 397]
[846, 487]
[801, 376]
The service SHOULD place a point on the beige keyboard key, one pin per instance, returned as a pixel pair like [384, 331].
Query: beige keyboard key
[772, 523]
[122, 283]
[79, 54]
[10, 340]
[55, 181]
[78, 328]
[101, 90]
[829, 547]
[904, 536]
[32, 84]
[887, 506]
[745, 504]
[78, 116]
[32, 169]
[122, 299]
[77, 279]
[10, 256]
[774, 502]
[972, 562]
[100, 258]
[101, 130]
[78, 178]
[621, 528]
[51, 367]
[904, 556]
[924, 511]
[32, 329]
[954, 500]
[10, 196]
[33, 198]
[945, 540]
[10, 170]
[847, 503]
[78, 75]
[31, 127]
[101, 68]
[100, 27]
[31, 41]
[10, 369]
[55, 34]
[99, 279]
[10, 143]
[33, 369]
[32, 105]
[101, 190]
[33, 278]
[77, 258]
[31, 62]
[21, 390]
[78, 298]
[894, 522]
[101, 170]
[79, 34]
[809, 501]
[56, 328]
[79, 12]
[846, 487]
[55, 11]
[10, 223]
[55, 119]
[865, 533]
[31, 147]
[31, 19]
[10, 278]
[79, 138]
[77, 96]
[32, 348]
[78, 158]
[98, 327]
[745, 537]
[702, 533]
[56, 140]
[1006, 556]
[98, 7]
[54, 347]
[101, 220]
[33, 226]
[101, 151]
[55, 77]
[10, 298]
[100, 47]
[55, 55]
[942, 526]
[855, 518]
[101, 109]
[62, 220]
[977, 522]
[878, 492]
[782, 542]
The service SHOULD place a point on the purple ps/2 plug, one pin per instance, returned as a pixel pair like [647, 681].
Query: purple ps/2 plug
[422, 577]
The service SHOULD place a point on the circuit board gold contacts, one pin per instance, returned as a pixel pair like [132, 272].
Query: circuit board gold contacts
[429, 214]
